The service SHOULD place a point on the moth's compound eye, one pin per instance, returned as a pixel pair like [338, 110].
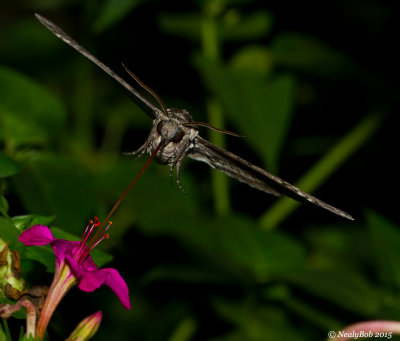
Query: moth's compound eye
[160, 126]
[178, 136]
[170, 131]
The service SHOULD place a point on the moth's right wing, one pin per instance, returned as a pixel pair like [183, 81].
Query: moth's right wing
[254, 176]
[141, 101]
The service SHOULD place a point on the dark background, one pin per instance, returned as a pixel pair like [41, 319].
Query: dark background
[196, 271]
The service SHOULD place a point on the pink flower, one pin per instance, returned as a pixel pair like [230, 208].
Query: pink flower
[74, 265]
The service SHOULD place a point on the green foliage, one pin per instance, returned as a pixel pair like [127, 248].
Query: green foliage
[310, 55]
[36, 119]
[256, 323]
[234, 26]
[385, 239]
[112, 12]
[49, 184]
[249, 99]
[324, 168]
[25, 221]
[9, 233]
[4, 332]
[238, 270]
[7, 166]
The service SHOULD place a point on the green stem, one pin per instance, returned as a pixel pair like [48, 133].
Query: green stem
[211, 51]
[322, 169]
[219, 180]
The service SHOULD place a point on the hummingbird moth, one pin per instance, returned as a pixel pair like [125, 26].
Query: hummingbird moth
[174, 136]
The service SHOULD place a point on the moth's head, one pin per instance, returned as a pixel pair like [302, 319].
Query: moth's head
[170, 131]
[172, 128]
[181, 115]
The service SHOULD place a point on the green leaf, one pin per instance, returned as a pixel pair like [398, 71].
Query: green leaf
[112, 12]
[5, 331]
[42, 254]
[314, 314]
[308, 54]
[53, 185]
[2, 334]
[255, 58]
[9, 233]
[22, 222]
[29, 114]
[341, 287]
[187, 25]
[239, 27]
[261, 108]
[255, 321]
[234, 244]
[3, 205]
[185, 330]
[7, 166]
[233, 27]
[385, 238]
[324, 168]
[239, 245]
[24, 337]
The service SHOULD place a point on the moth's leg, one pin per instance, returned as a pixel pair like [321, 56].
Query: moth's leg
[178, 180]
[138, 152]
[171, 172]
[178, 163]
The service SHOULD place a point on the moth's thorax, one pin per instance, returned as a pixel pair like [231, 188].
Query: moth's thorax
[177, 137]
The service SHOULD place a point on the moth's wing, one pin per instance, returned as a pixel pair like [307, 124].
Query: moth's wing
[141, 101]
[254, 176]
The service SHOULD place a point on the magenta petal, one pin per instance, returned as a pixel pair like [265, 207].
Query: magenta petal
[36, 235]
[92, 280]
[82, 269]
[118, 285]
[110, 277]
[63, 249]
[89, 265]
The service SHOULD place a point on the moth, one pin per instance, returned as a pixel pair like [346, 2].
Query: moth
[174, 136]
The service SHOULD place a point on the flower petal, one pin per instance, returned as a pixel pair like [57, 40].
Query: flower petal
[89, 265]
[63, 249]
[36, 235]
[118, 285]
[81, 269]
[92, 280]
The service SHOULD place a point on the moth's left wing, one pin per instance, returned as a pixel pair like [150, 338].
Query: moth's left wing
[254, 176]
[148, 107]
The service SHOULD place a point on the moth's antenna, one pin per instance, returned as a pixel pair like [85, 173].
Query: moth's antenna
[144, 86]
[194, 124]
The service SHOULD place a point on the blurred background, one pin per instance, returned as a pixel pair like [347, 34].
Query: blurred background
[310, 85]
